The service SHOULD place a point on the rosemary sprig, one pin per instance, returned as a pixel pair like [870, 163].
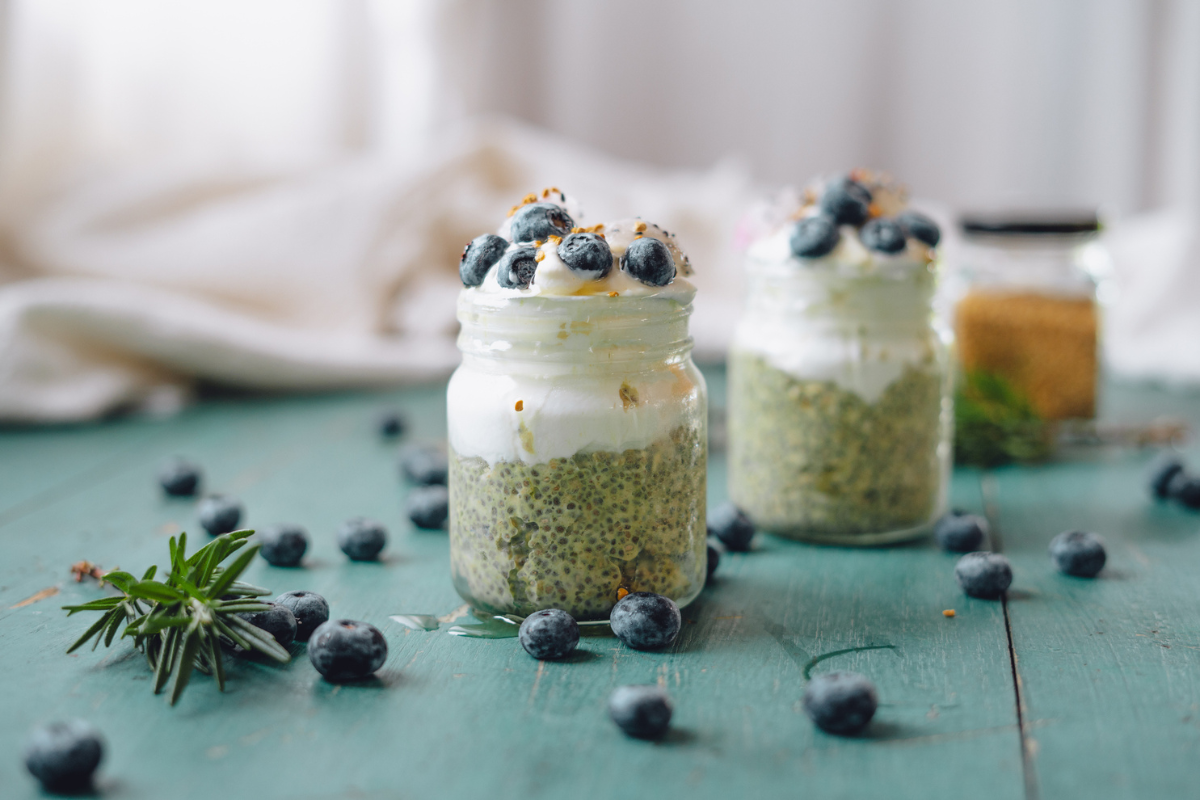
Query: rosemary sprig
[181, 623]
[994, 423]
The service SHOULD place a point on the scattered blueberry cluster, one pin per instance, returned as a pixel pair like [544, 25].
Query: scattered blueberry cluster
[585, 252]
[847, 201]
[1170, 480]
[988, 575]
[428, 503]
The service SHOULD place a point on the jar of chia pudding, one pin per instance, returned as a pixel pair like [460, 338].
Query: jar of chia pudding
[577, 420]
[840, 410]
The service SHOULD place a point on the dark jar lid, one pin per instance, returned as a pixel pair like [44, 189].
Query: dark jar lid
[1030, 224]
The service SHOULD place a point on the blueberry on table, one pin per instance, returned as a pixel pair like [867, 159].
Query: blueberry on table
[587, 255]
[714, 561]
[813, 237]
[1078, 553]
[278, 620]
[219, 513]
[1186, 490]
[1162, 474]
[362, 539]
[391, 424]
[424, 464]
[539, 221]
[179, 477]
[841, 703]
[345, 650]
[920, 227]
[309, 609]
[641, 711]
[983, 575]
[847, 201]
[480, 255]
[517, 268]
[731, 527]
[549, 634]
[283, 545]
[959, 532]
[645, 621]
[649, 261]
[63, 756]
[428, 506]
[883, 236]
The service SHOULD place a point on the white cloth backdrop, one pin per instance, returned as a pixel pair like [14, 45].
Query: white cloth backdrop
[273, 193]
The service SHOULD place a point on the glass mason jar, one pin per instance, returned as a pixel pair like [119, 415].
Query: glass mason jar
[578, 448]
[840, 411]
[1025, 309]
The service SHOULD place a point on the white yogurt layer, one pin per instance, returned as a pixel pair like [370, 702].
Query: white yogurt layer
[854, 317]
[569, 364]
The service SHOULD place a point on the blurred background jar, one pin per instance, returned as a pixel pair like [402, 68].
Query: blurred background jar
[1025, 311]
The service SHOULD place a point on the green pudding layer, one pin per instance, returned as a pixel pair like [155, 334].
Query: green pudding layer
[570, 532]
[811, 460]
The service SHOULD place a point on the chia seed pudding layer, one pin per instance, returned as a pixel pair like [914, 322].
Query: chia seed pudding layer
[811, 460]
[570, 532]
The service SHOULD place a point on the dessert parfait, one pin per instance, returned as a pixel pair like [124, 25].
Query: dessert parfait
[839, 387]
[577, 420]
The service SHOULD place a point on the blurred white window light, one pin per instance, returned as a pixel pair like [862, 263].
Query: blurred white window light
[216, 101]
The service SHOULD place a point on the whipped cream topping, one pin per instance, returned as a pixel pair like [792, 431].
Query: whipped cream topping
[855, 317]
[570, 364]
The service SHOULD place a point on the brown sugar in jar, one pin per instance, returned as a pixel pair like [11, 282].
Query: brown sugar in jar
[1045, 345]
[1028, 313]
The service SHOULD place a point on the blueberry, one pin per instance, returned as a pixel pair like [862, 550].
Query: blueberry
[650, 261]
[362, 539]
[960, 532]
[283, 545]
[1078, 553]
[714, 561]
[345, 650]
[920, 227]
[586, 254]
[549, 634]
[813, 237]
[278, 620]
[64, 755]
[179, 477]
[517, 268]
[309, 609]
[732, 527]
[1162, 474]
[538, 221]
[883, 235]
[480, 255]
[391, 424]
[847, 201]
[840, 702]
[645, 621]
[429, 506]
[424, 464]
[1187, 491]
[219, 513]
[642, 711]
[983, 575]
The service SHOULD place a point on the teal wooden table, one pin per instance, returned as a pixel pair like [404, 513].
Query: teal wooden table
[1071, 688]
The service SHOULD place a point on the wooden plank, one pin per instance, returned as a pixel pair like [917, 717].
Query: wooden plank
[1109, 668]
[454, 717]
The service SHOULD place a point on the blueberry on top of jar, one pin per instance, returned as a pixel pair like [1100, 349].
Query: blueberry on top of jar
[813, 237]
[539, 221]
[883, 235]
[517, 268]
[480, 255]
[847, 201]
[920, 227]
[649, 261]
[587, 255]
